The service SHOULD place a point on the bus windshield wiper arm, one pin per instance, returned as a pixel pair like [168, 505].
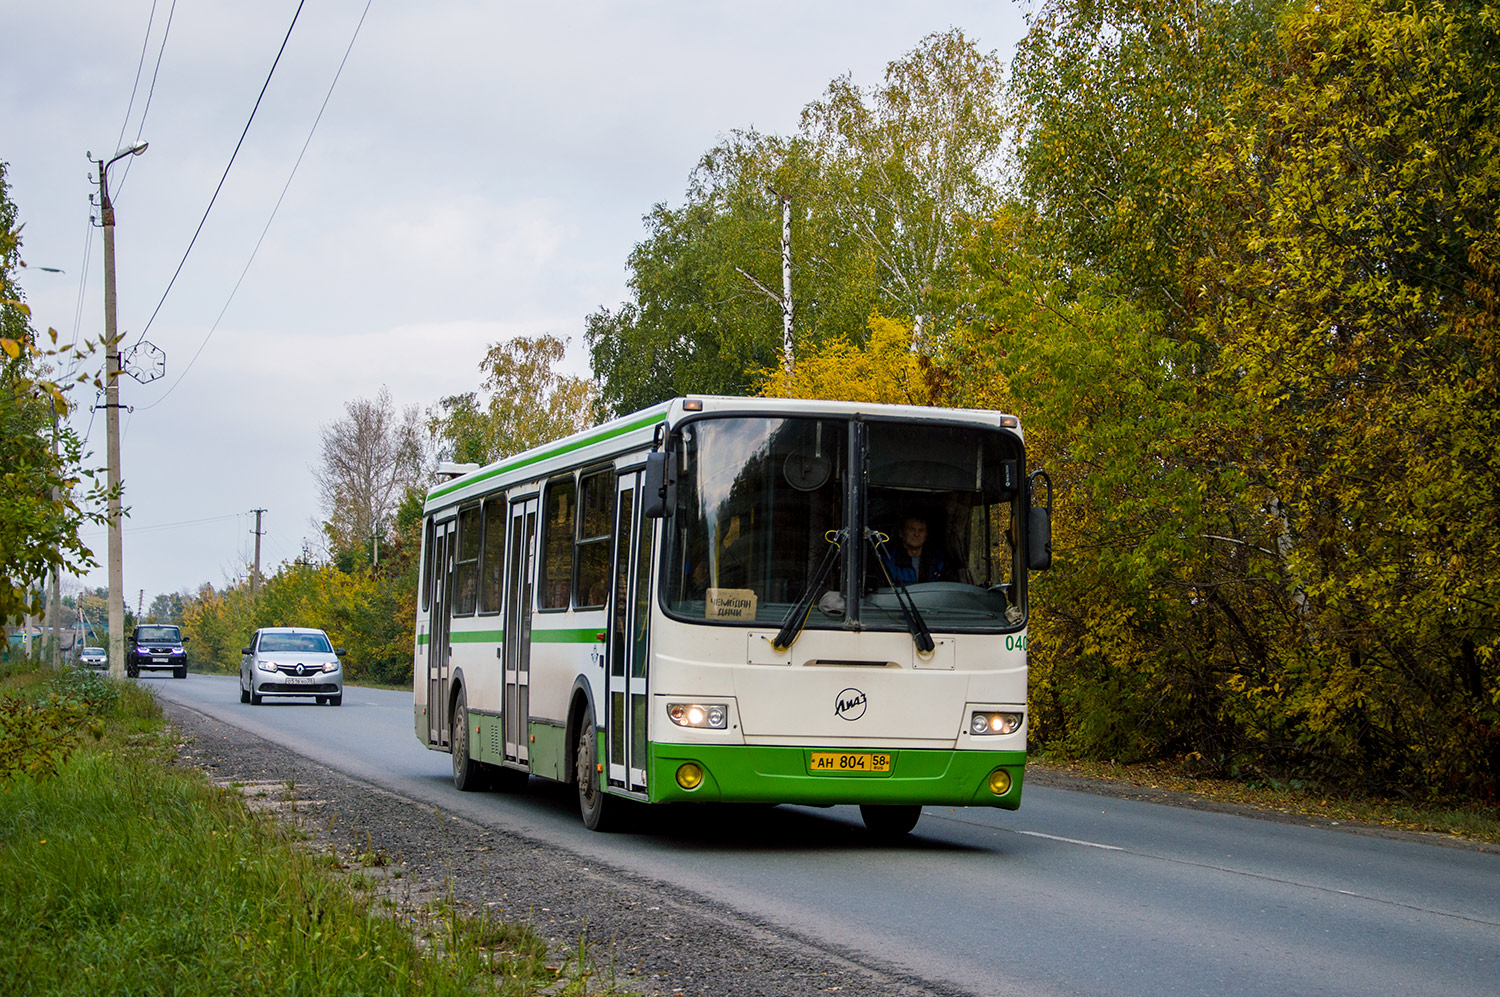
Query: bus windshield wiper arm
[796, 618]
[914, 622]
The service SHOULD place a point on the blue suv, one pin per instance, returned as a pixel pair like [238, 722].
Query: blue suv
[156, 647]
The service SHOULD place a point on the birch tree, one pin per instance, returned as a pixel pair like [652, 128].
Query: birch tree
[370, 458]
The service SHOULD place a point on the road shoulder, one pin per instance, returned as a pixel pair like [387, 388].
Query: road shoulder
[652, 937]
[1042, 774]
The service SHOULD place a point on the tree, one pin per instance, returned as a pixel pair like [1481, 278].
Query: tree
[46, 495]
[1247, 308]
[884, 370]
[884, 186]
[911, 166]
[529, 402]
[370, 457]
[1113, 102]
[1357, 308]
[165, 608]
[706, 284]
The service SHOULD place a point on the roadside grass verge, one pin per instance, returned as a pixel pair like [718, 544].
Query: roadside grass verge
[1475, 822]
[122, 874]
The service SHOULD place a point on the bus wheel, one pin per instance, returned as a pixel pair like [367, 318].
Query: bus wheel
[599, 810]
[467, 775]
[890, 821]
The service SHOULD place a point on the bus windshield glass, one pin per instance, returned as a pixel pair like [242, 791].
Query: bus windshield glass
[918, 513]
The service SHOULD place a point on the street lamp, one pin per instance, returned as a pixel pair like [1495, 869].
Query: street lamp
[112, 415]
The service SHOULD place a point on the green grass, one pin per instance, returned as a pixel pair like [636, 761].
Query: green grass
[121, 874]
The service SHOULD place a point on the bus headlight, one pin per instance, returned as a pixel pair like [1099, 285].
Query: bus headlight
[999, 782]
[995, 723]
[689, 775]
[713, 716]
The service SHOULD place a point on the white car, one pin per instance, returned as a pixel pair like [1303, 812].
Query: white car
[291, 661]
[93, 657]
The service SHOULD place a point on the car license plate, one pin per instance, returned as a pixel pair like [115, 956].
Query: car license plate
[850, 761]
[300, 680]
[158, 661]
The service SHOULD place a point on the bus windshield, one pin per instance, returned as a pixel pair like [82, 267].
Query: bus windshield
[919, 515]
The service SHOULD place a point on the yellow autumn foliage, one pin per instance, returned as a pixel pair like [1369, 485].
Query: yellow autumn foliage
[887, 369]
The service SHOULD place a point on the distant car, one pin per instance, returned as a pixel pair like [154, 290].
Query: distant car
[93, 657]
[156, 646]
[291, 661]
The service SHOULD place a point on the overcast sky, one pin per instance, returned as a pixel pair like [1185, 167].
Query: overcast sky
[480, 172]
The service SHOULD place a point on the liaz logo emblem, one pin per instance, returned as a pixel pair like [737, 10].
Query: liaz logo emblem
[850, 704]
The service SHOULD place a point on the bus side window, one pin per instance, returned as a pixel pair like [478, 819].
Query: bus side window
[595, 527]
[492, 565]
[467, 571]
[427, 566]
[557, 544]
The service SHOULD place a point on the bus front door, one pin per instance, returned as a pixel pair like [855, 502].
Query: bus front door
[438, 649]
[630, 615]
[520, 569]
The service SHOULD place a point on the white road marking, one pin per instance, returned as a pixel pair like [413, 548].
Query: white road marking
[1072, 841]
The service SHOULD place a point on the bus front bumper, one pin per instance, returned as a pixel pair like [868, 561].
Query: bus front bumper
[766, 774]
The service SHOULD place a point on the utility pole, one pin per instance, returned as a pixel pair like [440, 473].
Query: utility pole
[54, 602]
[112, 417]
[255, 575]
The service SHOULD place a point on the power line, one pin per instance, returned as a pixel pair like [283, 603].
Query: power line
[171, 526]
[227, 168]
[134, 87]
[83, 278]
[285, 187]
[149, 93]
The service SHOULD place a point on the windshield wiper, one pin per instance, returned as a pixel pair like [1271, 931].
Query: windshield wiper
[796, 618]
[914, 622]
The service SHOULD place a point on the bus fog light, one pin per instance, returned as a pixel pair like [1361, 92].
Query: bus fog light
[984, 723]
[712, 716]
[690, 775]
[999, 782]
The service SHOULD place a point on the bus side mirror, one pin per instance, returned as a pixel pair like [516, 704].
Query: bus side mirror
[1039, 526]
[659, 491]
[1039, 540]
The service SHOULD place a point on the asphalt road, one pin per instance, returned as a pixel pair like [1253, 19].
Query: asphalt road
[1073, 894]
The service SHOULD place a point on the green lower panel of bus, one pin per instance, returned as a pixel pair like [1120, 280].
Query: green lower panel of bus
[757, 774]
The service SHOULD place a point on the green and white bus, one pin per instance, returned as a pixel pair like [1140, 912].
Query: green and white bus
[720, 600]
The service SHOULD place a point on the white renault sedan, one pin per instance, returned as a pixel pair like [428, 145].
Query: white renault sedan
[291, 661]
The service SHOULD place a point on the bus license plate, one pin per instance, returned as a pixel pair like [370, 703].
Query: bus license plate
[846, 761]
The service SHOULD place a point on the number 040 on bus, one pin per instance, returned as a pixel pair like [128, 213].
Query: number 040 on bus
[739, 600]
